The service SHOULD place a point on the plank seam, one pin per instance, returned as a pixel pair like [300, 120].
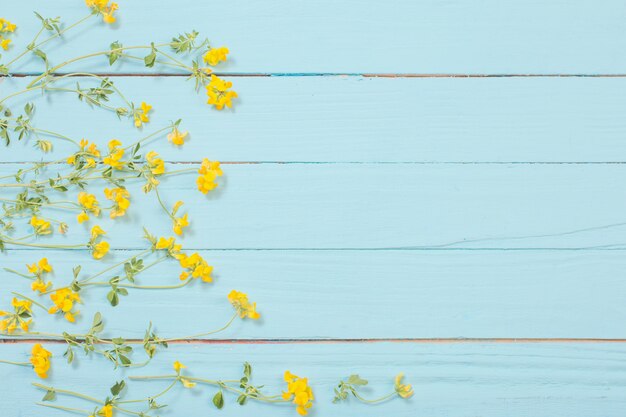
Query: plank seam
[458, 340]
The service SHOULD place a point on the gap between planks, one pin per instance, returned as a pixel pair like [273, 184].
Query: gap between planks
[330, 74]
[460, 340]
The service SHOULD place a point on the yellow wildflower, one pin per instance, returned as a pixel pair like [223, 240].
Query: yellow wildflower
[21, 316]
[97, 231]
[209, 171]
[180, 223]
[298, 389]
[141, 114]
[178, 366]
[244, 307]
[100, 249]
[177, 137]
[157, 166]
[215, 55]
[64, 300]
[41, 226]
[187, 384]
[6, 26]
[169, 244]
[116, 152]
[218, 92]
[40, 360]
[38, 269]
[89, 203]
[197, 267]
[106, 411]
[105, 9]
[120, 196]
[404, 391]
[4, 43]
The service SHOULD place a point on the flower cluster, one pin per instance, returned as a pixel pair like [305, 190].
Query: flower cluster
[220, 93]
[20, 317]
[403, 390]
[38, 270]
[215, 55]
[104, 8]
[209, 171]
[243, 306]
[64, 299]
[194, 266]
[141, 114]
[89, 204]
[41, 226]
[5, 28]
[40, 359]
[299, 391]
[116, 152]
[99, 247]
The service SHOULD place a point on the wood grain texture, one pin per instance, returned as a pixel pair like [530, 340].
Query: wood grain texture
[353, 119]
[359, 294]
[401, 36]
[546, 380]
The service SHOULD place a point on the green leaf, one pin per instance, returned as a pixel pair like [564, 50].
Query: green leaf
[50, 395]
[118, 387]
[150, 58]
[218, 400]
[242, 399]
[115, 53]
[113, 298]
[247, 369]
[356, 380]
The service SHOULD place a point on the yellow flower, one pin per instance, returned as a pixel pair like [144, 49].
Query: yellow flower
[170, 245]
[141, 114]
[209, 171]
[404, 391]
[106, 411]
[180, 223]
[40, 285]
[21, 316]
[89, 203]
[157, 167]
[187, 384]
[100, 249]
[103, 7]
[4, 43]
[40, 267]
[197, 266]
[215, 55]
[298, 389]
[178, 366]
[116, 152]
[244, 307]
[97, 231]
[41, 226]
[64, 300]
[218, 92]
[40, 360]
[177, 137]
[6, 26]
[120, 197]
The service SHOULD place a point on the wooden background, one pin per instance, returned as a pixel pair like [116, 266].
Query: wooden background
[435, 187]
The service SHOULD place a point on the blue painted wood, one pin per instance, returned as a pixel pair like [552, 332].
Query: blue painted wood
[378, 206]
[401, 36]
[339, 119]
[493, 379]
[357, 294]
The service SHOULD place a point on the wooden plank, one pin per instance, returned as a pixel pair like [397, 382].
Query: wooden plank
[382, 206]
[402, 36]
[339, 119]
[357, 294]
[550, 380]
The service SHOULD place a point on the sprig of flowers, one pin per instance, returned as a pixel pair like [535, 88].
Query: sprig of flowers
[352, 385]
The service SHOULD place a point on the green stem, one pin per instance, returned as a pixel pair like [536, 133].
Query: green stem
[31, 300]
[194, 336]
[16, 363]
[374, 401]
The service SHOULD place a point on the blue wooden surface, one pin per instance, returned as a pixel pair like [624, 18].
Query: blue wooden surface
[368, 209]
